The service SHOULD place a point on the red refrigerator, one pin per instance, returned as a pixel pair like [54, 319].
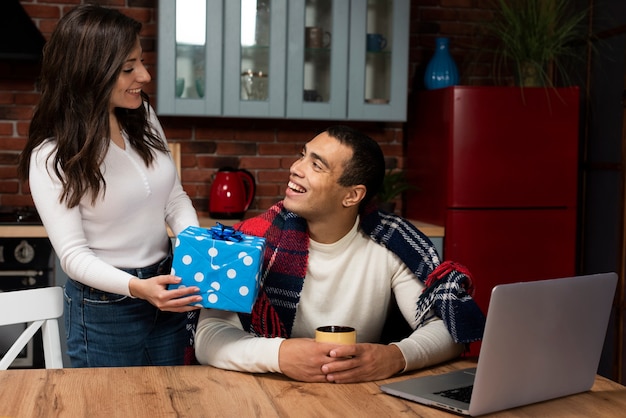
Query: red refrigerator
[498, 168]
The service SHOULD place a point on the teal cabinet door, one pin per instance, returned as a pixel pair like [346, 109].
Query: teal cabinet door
[317, 74]
[296, 59]
[379, 60]
[254, 58]
[189, 59]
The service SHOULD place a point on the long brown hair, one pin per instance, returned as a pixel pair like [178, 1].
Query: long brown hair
[81, 64]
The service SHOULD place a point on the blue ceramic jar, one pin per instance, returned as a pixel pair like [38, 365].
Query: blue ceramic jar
[441, 70]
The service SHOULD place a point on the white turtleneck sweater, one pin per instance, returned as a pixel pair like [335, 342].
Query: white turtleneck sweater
[124, 228]
[349, 282]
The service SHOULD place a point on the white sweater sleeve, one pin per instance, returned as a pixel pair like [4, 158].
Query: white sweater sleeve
[126, 227]
[221, 342]
[64, 228]
[429, 344]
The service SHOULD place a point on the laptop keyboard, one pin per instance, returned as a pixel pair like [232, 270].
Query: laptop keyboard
[463, 394]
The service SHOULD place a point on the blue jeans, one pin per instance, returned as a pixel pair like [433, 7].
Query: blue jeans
[110, 330]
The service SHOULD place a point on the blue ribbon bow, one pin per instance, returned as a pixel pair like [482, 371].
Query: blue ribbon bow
[225, 233]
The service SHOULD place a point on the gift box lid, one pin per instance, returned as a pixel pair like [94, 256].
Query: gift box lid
[224, 263]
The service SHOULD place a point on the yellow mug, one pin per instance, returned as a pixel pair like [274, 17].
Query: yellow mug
[335, 334]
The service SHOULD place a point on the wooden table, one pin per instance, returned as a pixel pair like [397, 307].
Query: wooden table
[203, 391]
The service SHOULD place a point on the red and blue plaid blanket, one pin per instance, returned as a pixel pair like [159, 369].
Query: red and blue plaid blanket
[448, 290]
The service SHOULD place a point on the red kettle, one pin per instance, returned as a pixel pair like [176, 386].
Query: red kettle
[232, 192]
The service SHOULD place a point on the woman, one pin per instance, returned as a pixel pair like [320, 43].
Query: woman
[105, 185]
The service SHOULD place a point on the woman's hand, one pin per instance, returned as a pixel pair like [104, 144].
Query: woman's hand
[155, 291]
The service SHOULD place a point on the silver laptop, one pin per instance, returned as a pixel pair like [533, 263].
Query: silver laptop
[542, 340]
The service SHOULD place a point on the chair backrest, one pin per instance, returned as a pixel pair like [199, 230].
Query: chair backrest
[175, 150]
[41, 308]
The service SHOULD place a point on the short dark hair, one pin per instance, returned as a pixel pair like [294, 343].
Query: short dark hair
[367, 165]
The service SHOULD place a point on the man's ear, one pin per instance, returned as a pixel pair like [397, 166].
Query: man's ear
[354, 196]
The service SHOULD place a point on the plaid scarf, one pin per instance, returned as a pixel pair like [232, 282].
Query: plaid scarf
[448, 285]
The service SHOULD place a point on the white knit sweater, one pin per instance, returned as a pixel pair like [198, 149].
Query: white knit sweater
[349, 282]
[125, 228]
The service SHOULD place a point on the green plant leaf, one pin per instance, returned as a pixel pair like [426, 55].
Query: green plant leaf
[394, 184]
[535, 34]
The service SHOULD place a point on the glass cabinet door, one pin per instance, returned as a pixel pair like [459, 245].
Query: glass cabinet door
[378, 59]
[317, 59]
[190, 36]
[298, 59]
[254, 58]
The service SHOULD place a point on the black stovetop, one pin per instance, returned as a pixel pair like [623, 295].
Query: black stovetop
[23, 215]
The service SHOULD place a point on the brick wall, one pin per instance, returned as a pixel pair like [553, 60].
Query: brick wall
[264, 147]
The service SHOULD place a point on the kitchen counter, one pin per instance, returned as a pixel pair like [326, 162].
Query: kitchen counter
[38, 231]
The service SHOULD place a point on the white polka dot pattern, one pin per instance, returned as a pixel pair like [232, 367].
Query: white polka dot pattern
[226, 272]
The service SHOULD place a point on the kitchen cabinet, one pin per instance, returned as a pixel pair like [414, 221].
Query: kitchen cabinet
[498, 168]
[297, 59]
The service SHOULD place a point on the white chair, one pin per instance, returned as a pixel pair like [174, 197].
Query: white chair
[41, 307]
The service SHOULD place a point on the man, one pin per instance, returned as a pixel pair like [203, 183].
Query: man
[333, 260]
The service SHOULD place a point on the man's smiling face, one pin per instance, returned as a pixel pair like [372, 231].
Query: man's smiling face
[314, 191]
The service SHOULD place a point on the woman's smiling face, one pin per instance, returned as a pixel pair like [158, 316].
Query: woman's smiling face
[133, 76]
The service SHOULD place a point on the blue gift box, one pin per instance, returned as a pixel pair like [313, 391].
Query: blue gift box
[224, 263]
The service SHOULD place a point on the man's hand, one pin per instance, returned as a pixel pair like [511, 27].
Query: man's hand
[302, 359]
[308, 361]
[363, 362]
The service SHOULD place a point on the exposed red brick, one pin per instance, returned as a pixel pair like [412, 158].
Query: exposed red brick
[213, 162]
[286, 162]
[8, 172]
[16, 200]
[46, 26]
[264, 146]
[221, 134]
[196, 175]
[37, 11]
[177, 134]
[9, 186]
[264, 203]
[255, 135]
[27, 98]
[61, 1]
[142, 15]
[12, 144]
[277, 176]
[16, 112]
[22, 129]
[280, 149]
[265, 189]
[6, 129]
[112, 2]
[236, 148]
[254, 162]
[199, 147]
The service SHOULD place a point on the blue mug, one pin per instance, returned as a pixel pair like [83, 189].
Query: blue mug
[376, 42]
[312, 96]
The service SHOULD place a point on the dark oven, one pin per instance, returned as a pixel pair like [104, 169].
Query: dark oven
[25, 263]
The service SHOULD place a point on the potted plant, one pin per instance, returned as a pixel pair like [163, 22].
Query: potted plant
[536, 37]
[394, 184]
